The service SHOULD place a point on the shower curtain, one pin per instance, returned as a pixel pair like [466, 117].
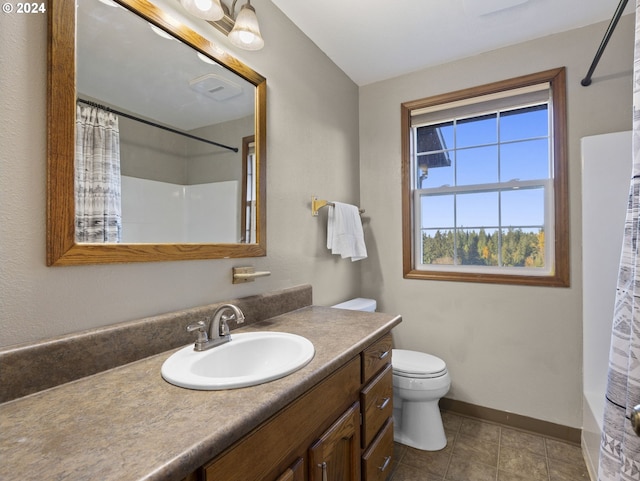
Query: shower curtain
[97, 176]
[620, 446]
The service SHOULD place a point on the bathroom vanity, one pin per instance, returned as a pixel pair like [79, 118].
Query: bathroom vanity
[318, 431]
[127, 423]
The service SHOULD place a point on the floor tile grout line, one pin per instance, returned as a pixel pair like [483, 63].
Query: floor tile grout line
[499, 449]
[546, 457]
[453, 446]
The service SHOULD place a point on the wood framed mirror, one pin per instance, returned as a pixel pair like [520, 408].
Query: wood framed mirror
[63, 98]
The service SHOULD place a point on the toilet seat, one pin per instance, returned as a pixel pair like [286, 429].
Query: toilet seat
[417, 365]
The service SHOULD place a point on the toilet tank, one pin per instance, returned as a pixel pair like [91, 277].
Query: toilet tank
[358, 304]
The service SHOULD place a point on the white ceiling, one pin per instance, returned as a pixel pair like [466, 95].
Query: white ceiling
[372, 40]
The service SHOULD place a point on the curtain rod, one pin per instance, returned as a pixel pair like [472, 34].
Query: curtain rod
[153, 124]
[614, 21]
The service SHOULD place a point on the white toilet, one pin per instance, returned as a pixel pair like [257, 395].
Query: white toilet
[419, 381]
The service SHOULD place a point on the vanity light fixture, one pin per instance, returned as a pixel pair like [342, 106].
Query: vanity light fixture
[243, 31]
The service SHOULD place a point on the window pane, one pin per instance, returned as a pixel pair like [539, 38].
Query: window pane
[477, 210]
[526, 160]
[477, 131]
[434, 137]
[523, 208]
[477, 166]
[477, 247]
[522, 248]
[437, 247]
[435, 170]
[437, 211]
[524, 123]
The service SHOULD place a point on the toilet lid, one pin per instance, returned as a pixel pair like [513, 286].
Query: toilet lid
[418, 364]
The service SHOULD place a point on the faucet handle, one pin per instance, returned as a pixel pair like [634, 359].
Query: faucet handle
[201, 330]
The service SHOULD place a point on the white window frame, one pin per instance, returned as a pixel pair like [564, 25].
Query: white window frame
[556, 270]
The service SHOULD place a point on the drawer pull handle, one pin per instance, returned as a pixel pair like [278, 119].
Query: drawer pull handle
[383, 355]
[324, 470]
[387, 460]
[384, 403]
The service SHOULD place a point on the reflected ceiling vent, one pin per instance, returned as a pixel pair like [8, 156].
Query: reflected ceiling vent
[215, 87]
[477, 8]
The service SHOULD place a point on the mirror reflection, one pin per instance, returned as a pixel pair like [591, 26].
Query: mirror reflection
[169, 138]
[160, 131]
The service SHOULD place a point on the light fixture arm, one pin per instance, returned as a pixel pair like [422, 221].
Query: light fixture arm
[233, 9]
[225, 25]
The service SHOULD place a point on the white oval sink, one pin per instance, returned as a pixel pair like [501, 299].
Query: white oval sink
[249, 359]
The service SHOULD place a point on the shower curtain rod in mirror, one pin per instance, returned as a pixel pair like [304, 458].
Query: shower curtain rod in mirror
[153, 124]
[614, 21]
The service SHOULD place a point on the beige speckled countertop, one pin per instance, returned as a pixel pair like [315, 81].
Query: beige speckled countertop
[129, 424]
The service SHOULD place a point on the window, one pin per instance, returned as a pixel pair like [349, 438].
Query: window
[485, 184]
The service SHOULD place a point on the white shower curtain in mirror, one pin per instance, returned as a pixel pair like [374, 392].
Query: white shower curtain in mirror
[620, 446]
[97, 176]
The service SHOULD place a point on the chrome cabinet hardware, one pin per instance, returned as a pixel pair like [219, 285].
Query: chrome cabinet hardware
[384, 403]
[324, 470]
[383, 355]
[387, 460]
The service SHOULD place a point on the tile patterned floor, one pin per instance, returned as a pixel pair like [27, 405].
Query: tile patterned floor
[483, 451]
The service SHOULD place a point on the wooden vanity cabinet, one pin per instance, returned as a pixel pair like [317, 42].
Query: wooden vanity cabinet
[340, 430]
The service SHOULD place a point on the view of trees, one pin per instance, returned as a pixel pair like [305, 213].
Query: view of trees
[516, 248]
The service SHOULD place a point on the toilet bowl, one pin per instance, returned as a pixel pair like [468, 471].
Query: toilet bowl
[419, 381]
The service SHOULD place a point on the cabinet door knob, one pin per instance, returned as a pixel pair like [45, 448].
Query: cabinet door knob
[383, 355]
[324, 470]
[635, 419]
[384, 403]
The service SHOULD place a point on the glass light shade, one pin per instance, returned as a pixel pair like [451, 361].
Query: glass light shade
[246, 31]
[206, 9]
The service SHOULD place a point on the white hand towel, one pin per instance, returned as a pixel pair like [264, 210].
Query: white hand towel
[344, 232]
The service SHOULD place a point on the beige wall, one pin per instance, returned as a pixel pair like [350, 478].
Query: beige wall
[516, 349]
[312, 149]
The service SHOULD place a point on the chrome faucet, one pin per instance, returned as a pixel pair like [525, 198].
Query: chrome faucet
[218, 328]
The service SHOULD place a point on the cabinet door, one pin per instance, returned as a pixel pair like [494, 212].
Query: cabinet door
[336, 455]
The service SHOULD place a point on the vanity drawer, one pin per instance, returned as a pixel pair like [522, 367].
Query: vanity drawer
[377, 460]
[375, 357]
[377, 404]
